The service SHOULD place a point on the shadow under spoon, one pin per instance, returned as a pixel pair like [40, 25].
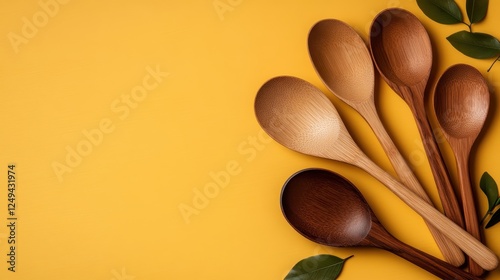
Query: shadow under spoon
[343, 61]
[461, 103]
[299, 116]
[328, 209]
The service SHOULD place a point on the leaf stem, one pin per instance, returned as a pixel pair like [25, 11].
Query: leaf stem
[496, 59]
[468, 25]
[484, 217]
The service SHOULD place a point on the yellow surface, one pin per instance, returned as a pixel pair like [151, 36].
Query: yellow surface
[111, 159]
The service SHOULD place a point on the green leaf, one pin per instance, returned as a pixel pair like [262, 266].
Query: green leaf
[475, 44]
[497, 202]
[476, 10]
[494, 219]
[319, 267]
[442, 11]
[490, 189]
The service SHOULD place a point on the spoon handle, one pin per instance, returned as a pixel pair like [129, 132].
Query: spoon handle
[470, 245]
[380, 238]
[450, 251]
[468, 201]
[446, 192]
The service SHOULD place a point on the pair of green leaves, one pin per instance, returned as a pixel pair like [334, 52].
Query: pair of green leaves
[448, 12]
[490, 189]
[473, 44]
[319, 267]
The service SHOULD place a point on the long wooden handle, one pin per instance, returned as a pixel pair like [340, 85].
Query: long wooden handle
[450, 251]
[468, 202]
[470, 245]
[446, 192]
[382, 239]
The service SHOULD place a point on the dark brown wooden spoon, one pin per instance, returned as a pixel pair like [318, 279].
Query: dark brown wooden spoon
[328, 209]
[461, 103]
[402, 53]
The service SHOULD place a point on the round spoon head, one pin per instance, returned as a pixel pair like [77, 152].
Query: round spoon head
[326, 208]
[299, 116]
[461, 101]
[342, 60]
[401, 47]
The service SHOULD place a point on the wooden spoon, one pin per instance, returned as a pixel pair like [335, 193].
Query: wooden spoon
[326, 208]
[343, 62]
[299, 116]
[402, 52]
[461, 103]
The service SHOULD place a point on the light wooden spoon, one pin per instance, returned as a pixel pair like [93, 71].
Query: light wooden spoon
[402, 52]
[343, 62]
[299, 116]
[461, 102]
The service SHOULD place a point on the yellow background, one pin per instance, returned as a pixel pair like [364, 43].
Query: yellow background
[116, 214]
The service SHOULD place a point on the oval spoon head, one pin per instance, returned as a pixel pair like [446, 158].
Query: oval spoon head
[342, 60]
[326, 208]
[299, 116]
[461, 101]
[400, 47]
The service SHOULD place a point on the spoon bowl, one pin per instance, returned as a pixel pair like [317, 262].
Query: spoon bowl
[296, 114]
[342, 60]
[410, 58]
[328, 209]
[461, 103]
[323, 207]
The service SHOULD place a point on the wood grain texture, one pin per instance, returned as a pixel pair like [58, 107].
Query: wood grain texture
[461, 102]
[402, 52]
[343, 61]
[469, 244]
[299, 116]
[328, 209]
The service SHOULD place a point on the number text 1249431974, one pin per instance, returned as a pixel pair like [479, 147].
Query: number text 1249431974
[11, 217]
